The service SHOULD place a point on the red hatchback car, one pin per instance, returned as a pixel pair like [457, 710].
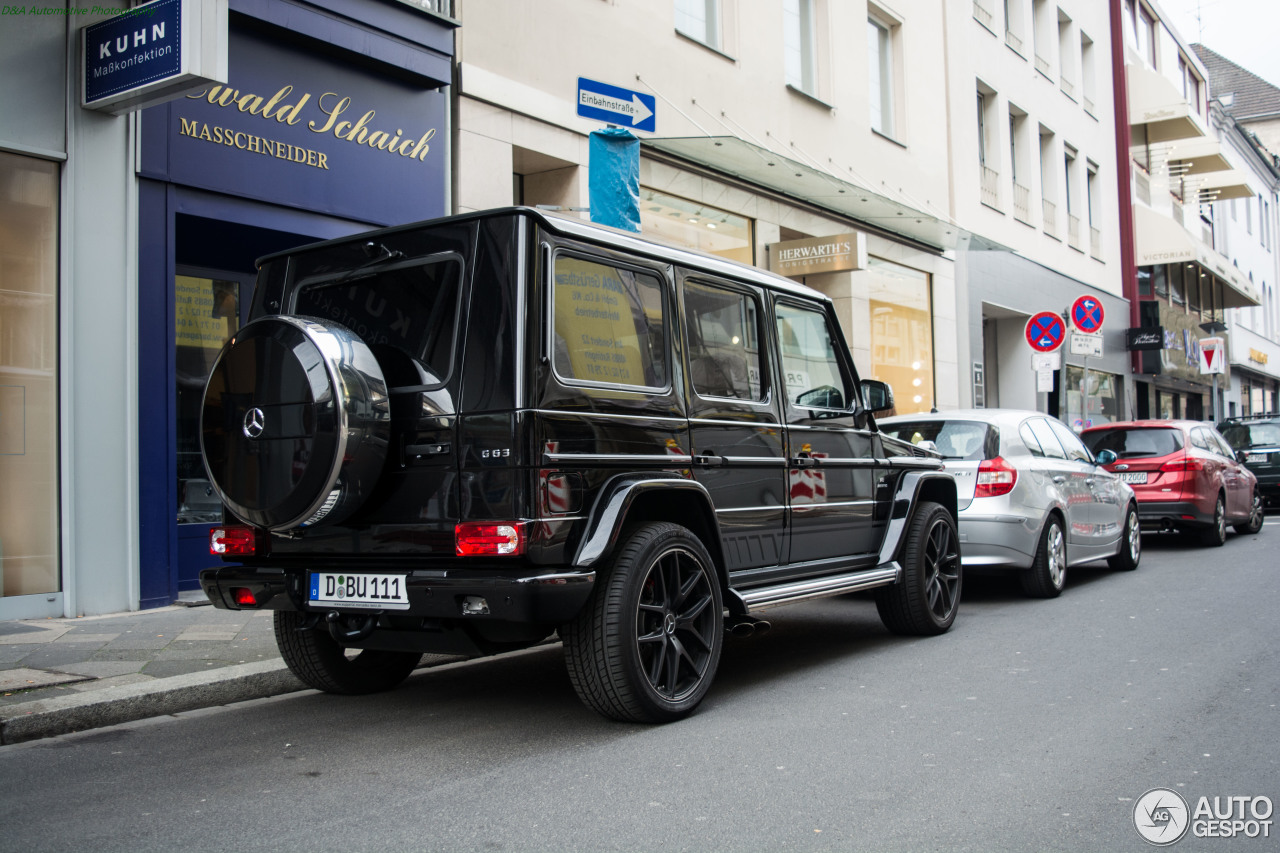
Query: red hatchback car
[1184, 474]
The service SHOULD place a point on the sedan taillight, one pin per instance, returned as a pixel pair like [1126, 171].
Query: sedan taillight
[995, 477]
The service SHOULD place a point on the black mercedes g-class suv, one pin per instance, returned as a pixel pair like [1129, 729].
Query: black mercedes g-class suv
[469, 434]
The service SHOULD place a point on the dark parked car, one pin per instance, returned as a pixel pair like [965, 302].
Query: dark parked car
[1032, 498]
[1256, 440]
[1185, 475]
[470, 434]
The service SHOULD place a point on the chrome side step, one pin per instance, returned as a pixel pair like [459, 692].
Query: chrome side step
[774, 596]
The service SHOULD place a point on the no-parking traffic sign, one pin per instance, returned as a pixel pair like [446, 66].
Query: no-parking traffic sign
[1087, 314]
[1045, 331]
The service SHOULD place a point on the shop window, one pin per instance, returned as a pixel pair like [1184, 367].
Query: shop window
[1160, 279]
[696, 226]
[902, 333]
[29, 527]
[610, 325]
[1092, 403]
[1144, 282]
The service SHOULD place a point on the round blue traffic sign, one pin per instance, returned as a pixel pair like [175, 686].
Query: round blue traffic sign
[1087, 314]
[1045, 331]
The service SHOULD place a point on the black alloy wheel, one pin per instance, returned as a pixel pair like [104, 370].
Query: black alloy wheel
[926, 599]
[646, 646]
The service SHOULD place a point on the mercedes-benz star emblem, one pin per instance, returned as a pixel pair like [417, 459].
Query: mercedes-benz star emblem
[254, 423]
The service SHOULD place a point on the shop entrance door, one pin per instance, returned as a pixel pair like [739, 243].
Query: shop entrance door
[209, 307]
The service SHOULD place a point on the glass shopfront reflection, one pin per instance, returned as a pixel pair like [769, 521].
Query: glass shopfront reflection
[902, 334]
[29, 516]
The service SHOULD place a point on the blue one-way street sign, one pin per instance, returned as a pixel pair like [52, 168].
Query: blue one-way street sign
[615, 105]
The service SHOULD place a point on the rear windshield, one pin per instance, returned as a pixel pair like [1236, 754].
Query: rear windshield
[1134, 443]
[954, 439]
[410, 308]
[1244, 436]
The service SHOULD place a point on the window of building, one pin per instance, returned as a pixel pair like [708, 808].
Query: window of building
[1068, 60]
[29, 528]
[696, 226]
[882, 63]
[1088, 74]
[988, 158]
[1013, 24]
[610, 325]
[699, 20]
[799, 46]
[902, 333]
[1146, 36]
[1091, 209]
[1048, 182]
[1042, 31]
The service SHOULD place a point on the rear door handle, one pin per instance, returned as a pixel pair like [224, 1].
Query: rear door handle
[803, 461]
[709, 460]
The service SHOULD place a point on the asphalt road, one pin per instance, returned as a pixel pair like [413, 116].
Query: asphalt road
[1032, 725]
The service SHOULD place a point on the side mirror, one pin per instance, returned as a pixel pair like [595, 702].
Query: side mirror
[877, 396]
[1242, 456]
[1106, 457]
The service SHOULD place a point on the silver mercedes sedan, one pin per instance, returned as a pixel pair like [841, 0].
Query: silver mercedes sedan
[1031, 496]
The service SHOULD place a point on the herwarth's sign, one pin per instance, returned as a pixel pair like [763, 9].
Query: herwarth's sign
[814, 255]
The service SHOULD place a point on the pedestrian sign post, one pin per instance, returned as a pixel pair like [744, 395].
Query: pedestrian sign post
[1087, 315]
[1045, 331]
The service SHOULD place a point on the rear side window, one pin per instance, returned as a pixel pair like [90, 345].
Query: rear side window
[967, 440]
[610, 324]
[410, 307]
[1244, 436]
[724, 353]
[1042, 435]
[1134, 443]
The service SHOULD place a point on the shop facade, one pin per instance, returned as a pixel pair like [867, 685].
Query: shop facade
[140, 233]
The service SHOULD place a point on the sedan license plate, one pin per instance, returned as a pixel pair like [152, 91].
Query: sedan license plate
[363, 591]
[1134, 477]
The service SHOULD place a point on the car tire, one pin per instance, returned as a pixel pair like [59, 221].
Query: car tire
[1256, 516]
[1048, 573]
[1215, 536]
[1126, 559]
[925, 600]
[646, 645]
[320, 662]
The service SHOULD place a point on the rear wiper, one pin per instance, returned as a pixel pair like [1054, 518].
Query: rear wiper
[376, 252]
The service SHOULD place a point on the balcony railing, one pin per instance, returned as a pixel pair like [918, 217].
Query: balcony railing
[1095, 243]
[990, 187]
[1013, 40]
[1073, 232]
[1021, 203]
[1042, 65]
[982, 14]
[1050, 218]
[1177, 212]
[1068, 88]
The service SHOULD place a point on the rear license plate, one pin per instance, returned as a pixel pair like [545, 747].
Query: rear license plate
[1134, 477]
[359, 590]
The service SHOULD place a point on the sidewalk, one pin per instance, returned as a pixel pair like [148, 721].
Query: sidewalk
[66, 675]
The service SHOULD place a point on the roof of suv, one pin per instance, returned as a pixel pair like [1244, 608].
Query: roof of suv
[570, 226]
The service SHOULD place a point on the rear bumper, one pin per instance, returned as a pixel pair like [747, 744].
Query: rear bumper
[547, 598]
[998, 540]
[1163, 515]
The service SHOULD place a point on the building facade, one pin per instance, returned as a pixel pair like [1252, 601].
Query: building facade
[776, 122]
[1035, 176]
[130, 243]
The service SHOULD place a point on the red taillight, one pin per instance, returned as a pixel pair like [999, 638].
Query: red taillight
[244, 597]
[1186, 463]
[995, 477]
[489, 539]
[233, 541]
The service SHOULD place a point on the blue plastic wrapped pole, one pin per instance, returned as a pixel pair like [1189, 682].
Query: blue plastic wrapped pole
[614, 183]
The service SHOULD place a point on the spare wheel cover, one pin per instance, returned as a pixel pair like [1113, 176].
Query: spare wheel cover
[295, 422]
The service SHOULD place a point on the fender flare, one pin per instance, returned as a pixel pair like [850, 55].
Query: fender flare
[905, 500]
[613, 504]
